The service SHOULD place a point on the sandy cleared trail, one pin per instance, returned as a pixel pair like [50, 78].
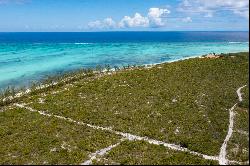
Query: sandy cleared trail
[101, 152]
[128, 136]
[239, 93]
[221, 158]
[223, 150]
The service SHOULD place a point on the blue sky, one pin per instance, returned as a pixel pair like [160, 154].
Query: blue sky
[123, 15]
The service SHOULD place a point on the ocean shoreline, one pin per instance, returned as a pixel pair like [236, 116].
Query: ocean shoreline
[191, 57]
[21, 63]
[77, 74]
[187, 106]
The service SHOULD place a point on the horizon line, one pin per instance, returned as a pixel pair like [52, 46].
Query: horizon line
[119, 31]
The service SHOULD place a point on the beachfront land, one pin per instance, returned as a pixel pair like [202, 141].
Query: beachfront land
[171, 113]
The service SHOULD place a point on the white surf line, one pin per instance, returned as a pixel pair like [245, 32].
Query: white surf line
[27, 91]
[223, 152]
[100, 153]
[128, 136]
[40, 87]
[104, 71]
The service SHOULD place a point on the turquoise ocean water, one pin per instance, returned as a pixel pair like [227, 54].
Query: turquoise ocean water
[23, 60]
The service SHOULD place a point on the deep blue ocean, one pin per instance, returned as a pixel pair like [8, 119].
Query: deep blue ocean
[26, 57]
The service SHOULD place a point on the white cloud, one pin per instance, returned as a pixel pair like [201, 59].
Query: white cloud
[94, 24]
[208, 7]
[155, 16]
[137, 21]
[187, 19]
[153, 20]
[157, 12]
[107, 23]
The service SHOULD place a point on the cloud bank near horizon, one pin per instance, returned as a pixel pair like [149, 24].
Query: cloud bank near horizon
[120, 15]
[154, 19]
[157, 17]
[208, 8]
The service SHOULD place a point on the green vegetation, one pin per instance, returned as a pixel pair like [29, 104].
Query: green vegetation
[29, 138]
[245, 95]
[142, 153]
[238, 147]
[184, 103]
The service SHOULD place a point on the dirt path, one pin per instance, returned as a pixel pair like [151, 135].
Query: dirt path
[128, 136]
[100, 153]
[223, 151]
[131, 137]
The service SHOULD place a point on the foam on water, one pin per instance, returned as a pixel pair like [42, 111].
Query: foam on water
[23, 62]
[238, 42]
[81, 43]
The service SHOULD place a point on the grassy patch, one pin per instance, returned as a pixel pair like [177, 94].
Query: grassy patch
[242, 119]
[29, 138]
[142, 153]
[238, 148]
[183, 102]
[245, 97]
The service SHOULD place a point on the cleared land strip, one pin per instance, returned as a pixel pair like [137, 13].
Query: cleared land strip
[101, 152]
[221, 158]
[127, 136]
[239, 93]
[223, 153]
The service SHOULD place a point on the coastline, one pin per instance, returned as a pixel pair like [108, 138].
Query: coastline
[40, 86]
[189, 109]
[39, 61]
[191, 57]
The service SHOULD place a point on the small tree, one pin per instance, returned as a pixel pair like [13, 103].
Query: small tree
[116, 68]
[108, 67]
[99, 68]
